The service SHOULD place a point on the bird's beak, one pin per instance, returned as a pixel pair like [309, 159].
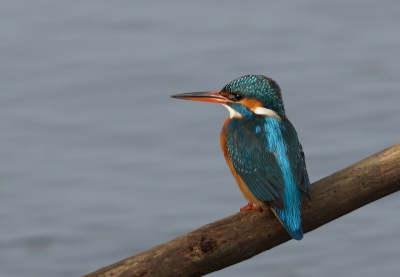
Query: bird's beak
[208, 96]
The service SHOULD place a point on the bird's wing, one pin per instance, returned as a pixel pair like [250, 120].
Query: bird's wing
[257, 165]
[297, 158]
[253, 162]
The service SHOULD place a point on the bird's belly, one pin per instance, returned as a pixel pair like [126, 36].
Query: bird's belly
[246, 192]
[243, 188]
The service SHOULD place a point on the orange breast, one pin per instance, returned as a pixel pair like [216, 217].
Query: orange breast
[245, 191]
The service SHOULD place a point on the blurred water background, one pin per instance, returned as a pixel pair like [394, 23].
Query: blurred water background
[97, 163]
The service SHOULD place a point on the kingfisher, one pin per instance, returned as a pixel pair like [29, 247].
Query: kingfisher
[261, 148]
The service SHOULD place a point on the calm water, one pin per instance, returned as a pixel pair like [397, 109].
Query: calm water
[97, 163]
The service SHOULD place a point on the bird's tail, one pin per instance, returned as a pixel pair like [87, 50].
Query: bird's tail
[296, 234]
[291, 220]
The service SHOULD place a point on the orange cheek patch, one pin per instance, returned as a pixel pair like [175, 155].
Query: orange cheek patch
[251, 103]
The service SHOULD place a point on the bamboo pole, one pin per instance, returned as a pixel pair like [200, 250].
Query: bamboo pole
[241, 236]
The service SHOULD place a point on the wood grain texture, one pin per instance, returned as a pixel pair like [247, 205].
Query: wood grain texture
[243, 235]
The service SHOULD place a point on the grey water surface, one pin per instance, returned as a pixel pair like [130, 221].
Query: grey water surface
[98, 163]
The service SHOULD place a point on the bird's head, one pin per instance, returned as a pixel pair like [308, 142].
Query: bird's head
[244, 97]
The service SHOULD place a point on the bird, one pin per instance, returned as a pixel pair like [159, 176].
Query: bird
[261, 148]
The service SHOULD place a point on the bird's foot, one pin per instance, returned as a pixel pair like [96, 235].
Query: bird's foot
[249, 207]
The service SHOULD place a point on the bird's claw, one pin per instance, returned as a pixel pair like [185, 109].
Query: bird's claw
[249, 207]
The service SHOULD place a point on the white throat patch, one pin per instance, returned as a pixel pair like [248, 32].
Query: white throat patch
[258, 110]
[232, 112]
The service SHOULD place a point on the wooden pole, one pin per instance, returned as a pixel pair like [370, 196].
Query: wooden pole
[243, 235]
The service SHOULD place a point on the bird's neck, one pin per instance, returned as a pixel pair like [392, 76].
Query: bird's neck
[239, 111]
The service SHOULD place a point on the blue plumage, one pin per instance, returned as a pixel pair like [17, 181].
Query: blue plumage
[267, 160]
[261, 147]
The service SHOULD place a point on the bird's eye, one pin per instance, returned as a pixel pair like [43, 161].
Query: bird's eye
[237, 96]
[234, 96]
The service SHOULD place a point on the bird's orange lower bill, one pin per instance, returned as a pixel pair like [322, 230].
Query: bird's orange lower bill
[213, 96]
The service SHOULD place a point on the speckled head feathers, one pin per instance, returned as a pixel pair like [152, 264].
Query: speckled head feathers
[258, 87]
